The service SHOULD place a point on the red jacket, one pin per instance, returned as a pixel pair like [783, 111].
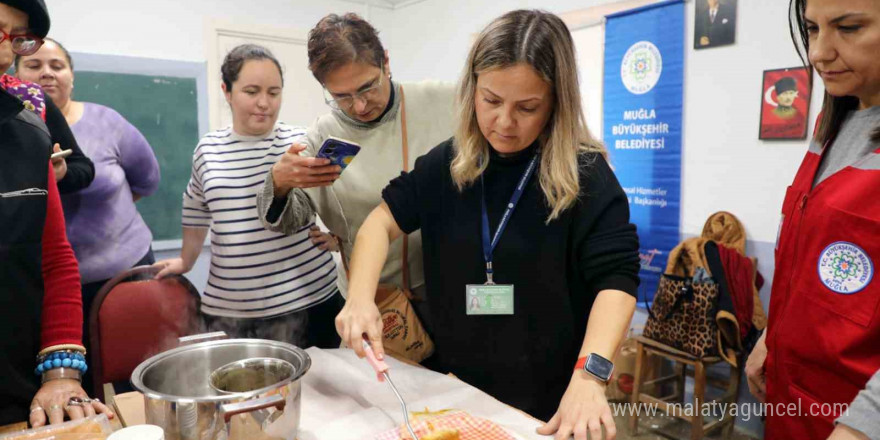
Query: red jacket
[823, 335]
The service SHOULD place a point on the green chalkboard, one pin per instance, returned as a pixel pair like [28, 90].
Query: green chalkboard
[165, 110]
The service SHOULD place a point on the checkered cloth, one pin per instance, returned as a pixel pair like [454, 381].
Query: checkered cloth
[468, 427]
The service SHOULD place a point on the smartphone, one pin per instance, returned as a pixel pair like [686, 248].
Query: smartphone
[61, 154]
[340, 151]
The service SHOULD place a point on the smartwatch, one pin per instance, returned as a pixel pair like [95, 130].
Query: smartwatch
[597, 366]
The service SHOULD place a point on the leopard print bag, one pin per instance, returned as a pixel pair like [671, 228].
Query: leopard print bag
[683, 315]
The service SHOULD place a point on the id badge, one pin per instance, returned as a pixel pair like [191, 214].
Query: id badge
[489, 299]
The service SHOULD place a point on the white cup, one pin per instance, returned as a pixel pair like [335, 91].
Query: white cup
[139, 432]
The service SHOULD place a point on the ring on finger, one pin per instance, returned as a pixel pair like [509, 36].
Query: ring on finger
[36, 408]
[54, 407]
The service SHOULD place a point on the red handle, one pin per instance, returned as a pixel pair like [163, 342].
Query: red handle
[233, 409]
[380, 366]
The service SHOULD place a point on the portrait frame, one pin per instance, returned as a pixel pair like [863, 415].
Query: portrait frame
[714, 30]
[787, 119]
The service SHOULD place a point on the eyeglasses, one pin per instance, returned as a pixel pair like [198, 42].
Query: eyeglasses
[347, 101]
[22, 44]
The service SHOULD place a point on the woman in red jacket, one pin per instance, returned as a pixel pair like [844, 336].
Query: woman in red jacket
[821, 344]
[40, 304]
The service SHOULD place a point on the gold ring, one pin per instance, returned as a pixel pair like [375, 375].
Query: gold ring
[54, 407]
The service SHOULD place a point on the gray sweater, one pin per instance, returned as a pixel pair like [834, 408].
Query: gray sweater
[864, 411]
[855, 133]
[344, 206]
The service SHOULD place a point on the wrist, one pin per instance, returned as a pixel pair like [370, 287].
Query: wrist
[278, 189]
[583, 378]
[186, 264]
[280, 192]
[62, 374]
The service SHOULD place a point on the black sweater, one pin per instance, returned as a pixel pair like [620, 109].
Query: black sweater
[557, 269]
[80, 169]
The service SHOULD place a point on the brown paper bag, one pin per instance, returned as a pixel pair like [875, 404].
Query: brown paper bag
[620, 387]
[403, 334]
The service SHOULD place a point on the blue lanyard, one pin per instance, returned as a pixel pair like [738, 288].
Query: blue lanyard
[489, 247]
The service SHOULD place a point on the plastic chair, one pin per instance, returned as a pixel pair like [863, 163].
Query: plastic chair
[135, 317]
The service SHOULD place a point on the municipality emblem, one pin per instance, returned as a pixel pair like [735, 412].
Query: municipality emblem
[641, 67]
[845, 268]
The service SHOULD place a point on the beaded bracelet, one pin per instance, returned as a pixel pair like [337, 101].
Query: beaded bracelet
[61, 359]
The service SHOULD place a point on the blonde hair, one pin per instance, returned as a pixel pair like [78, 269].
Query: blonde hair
[542, 41]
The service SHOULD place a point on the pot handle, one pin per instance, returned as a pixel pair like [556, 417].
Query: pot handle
[233, 409]
[201, 337]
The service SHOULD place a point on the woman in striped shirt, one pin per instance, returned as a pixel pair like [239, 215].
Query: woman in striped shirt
[262, 284]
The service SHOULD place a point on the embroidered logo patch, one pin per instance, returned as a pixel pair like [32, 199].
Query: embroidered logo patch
[845, 268]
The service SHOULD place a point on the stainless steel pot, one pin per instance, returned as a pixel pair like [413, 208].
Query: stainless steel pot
[179, 396]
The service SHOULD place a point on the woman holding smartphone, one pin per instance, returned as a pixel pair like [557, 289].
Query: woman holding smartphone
[262, 284]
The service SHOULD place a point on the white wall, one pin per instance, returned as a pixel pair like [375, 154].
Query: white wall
[725, 166]
[431, 39]
[174, 29]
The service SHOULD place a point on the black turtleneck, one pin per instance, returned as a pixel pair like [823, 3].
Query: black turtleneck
[557, 269]
[387, 106]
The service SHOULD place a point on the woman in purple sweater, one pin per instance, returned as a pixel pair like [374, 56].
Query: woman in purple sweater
[105, 229]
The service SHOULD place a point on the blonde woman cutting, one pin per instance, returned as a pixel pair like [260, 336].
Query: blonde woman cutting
[520, 214]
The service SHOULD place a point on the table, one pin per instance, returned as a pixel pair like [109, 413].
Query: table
[343, 400]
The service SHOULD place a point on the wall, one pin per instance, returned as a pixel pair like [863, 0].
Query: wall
[437, 47]
[174, 29]
[725, 166]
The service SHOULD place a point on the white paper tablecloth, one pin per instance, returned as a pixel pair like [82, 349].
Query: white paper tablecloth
[343, 400]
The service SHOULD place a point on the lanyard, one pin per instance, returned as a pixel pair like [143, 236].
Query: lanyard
[489, 247]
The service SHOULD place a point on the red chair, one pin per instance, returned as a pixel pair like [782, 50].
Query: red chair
[134, 317]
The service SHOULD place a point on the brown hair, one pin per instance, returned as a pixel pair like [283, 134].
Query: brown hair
[239, 55]
[834, 108]
[336, 41]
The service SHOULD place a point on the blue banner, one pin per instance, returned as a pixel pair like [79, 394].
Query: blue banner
[644, 72]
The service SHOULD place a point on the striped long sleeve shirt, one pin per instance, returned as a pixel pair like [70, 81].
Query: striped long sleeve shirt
[255, 273]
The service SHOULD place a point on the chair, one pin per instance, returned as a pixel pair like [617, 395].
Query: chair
[134, 317]
[670, 404]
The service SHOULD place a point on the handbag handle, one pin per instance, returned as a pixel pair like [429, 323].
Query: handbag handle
[686, 291]
[405, 148]
[405, 144]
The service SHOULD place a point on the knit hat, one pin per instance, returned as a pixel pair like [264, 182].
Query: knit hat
[785, 84]
[38, 15]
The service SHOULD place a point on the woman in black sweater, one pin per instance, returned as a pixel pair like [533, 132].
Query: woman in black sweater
[523, 173]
